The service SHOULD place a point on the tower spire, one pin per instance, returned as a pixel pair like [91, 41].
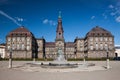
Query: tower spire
[59, 31]
[59, 14]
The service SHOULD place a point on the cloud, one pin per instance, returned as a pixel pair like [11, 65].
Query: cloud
[50, 22]
[104, 15]
[45, 21]
[19, 19]
[113, 13]
[111, 6]
[92, 17]
[118, 19]
[118, 3]
[9, 17]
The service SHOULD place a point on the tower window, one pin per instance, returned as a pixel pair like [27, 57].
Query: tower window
[59, 33]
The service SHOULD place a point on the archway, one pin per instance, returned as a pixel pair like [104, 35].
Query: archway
[116, 56]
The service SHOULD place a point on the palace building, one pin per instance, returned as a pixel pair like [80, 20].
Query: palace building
[95, 44]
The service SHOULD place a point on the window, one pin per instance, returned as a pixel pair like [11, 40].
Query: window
[13, 39]
[101, 38]
[110, 47]
[13, 46]
[91, 39]
[8, 47]
[91, 47]
[28, 43]
[28, 39]
[18, 46]
[23, 39]
[9, 39]
[101, 46]
[105, 39]
[110, 43]
[23, 46]
[96, 46]
[106, 46]
[96, 39]
[18, 38]
[28, 47]
[81, 49]
[110, 39]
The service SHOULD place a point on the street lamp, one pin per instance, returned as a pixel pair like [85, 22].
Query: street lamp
[33, 57]
[10, 58]
[84, 57]
[107, 60]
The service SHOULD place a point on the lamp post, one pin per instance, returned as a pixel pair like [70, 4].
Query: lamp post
[84, 58]
[33, 57]
[107, 61]
[10, 58]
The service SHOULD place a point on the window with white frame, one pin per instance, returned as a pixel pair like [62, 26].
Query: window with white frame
[28, 47]
[8, 47]
[105, 38]
[28, 39]
[9, 39]
[18, 46]
[96, 46]
[96, 39]
[23, 46]
[13, 39]
[110, 39]
[23, 39]
[18, 39]
[91, 47]
[101, 46]
[101, 38]
[13, 46]
[91, 39]
[106, 46]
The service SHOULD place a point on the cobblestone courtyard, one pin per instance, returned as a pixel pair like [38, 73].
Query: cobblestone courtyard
[13, 74]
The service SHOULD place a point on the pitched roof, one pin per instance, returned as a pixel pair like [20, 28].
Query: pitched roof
[21, 31]
[50, 44]
[98, 31]
[69, 44]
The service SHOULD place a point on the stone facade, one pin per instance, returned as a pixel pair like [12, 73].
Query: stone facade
[117, 50]
[2, 50]
[22, 42]
[96, 44]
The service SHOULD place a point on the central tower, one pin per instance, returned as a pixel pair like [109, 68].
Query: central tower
[59, 31]
[59, 41]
